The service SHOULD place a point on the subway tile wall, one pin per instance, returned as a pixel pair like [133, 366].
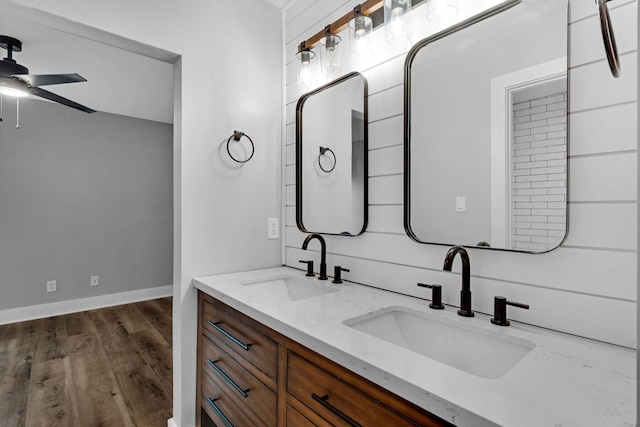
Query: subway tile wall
[587, 286]
[539, 172]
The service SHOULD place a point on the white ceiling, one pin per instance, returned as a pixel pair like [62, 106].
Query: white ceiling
[281, 3]
[118, 81]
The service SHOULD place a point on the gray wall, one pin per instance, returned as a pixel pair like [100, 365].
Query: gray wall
[82, 195]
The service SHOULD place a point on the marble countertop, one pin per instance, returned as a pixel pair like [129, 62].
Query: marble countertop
[564, 381]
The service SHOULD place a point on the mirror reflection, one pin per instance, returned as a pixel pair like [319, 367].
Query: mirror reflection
[486, 132]
[331, 158]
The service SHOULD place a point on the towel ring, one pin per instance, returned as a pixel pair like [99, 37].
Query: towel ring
[236, 137]
[608, 38]
[323, 152]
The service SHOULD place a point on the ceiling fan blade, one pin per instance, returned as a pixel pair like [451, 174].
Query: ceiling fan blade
[50, 79]
[60, 100]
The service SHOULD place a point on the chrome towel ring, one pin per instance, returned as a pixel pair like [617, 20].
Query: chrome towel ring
[323, 152]
[236, 137]
[608, 38]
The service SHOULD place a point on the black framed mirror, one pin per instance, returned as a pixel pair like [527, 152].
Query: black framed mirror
[331, 158]
[486, 130]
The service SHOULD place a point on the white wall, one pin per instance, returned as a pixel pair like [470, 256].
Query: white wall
[82, 195]
[228, 49]
[587, 286]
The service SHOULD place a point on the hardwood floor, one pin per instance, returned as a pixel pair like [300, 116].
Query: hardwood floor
[106, 367]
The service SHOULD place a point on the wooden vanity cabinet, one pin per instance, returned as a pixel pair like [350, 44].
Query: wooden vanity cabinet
[249, 375]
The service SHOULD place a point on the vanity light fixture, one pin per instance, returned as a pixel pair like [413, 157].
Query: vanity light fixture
[390, 12]
[329, 53]
[397, 28]
[305, 66]
[441, 10]
[328, 40]
[360, 27]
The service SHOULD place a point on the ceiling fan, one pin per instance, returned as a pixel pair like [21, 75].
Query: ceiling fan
[15, 79]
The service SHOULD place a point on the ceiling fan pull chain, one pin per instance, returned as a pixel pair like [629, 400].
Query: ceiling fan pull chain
[1, 102]
[17, 113]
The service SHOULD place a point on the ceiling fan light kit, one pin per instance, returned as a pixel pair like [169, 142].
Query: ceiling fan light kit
[15, 80]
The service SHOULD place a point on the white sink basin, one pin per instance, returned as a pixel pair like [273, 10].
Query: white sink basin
[471, 349]
[291, 287]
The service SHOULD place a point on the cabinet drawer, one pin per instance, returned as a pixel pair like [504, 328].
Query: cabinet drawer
[296, 419]
[221, 408]
[247, 392]
[335, 400]
[230, 333]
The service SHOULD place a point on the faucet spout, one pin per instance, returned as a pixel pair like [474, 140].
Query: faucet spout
[465, 293]
[323, 253]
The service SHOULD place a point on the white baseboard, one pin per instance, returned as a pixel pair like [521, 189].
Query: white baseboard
[171, 423]
[32, 312]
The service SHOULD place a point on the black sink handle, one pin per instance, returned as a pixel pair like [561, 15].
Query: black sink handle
[436, 295]
[500, 310]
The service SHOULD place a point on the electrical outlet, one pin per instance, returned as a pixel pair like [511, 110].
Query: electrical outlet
[95, 281]
[273, 228]
[51, 285]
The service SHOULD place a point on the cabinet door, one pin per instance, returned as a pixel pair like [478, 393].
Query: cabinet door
[296, 419]
[335, 400]
[221, 408]
[246, 390]
[240, 339]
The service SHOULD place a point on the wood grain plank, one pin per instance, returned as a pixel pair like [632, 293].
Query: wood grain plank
[95, 387]
[79, 323]
[51, 338]
[206, 420]
[159, 317]
[144, 396]
[15, 375]
[55, 372]
[166, 303]
[7, 332]
[51, 402]
[132, 319]
[157, 352]
[121, 351]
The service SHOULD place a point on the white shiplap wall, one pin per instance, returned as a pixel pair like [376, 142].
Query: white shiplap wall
[585, 287]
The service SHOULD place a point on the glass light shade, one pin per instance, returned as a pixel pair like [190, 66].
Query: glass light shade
[9, 91]
[441, 10]
[359, 29]
[329, 54]
[306, 67]
[397, 28]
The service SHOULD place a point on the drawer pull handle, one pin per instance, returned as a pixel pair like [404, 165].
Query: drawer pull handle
[226, 377]
[219, 412]
[228, 335]
[323, 401]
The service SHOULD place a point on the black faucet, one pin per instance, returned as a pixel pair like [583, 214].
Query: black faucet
[465, 293]
[500, 310]
[323, 253]
[337, 273]
[436, 296]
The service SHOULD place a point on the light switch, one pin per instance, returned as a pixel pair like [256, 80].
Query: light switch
[461, 204]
